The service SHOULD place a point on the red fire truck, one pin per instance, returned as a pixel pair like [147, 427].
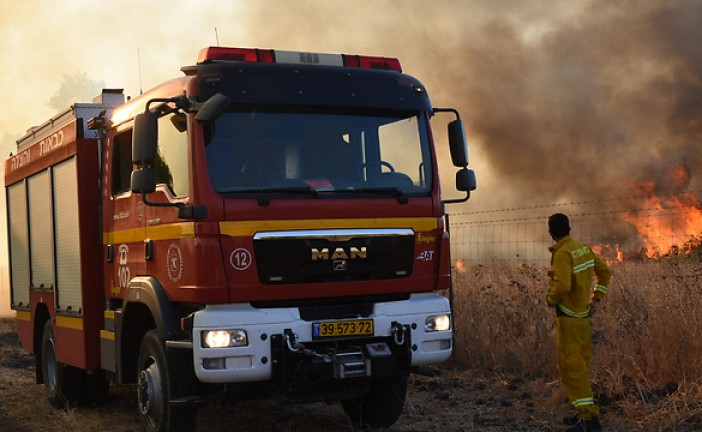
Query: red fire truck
[268, 224]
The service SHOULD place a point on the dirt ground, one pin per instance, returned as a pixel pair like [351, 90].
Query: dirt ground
[443, 398]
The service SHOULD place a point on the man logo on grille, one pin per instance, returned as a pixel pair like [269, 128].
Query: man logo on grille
[340, 253]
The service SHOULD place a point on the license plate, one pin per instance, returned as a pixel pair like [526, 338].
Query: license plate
[329, 329]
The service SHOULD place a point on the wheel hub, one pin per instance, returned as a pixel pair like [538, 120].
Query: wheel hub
[149, 388]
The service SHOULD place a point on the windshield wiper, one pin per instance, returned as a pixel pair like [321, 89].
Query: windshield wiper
[297, 190]
[386, 190]
[265, 201]
[308, 190]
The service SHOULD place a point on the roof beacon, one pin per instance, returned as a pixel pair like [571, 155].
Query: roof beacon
[255, 55]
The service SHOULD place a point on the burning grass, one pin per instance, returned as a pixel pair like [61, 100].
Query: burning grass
[647, 365]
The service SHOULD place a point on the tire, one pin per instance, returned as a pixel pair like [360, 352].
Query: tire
[381, 406]
[63, 383]
[160, 380]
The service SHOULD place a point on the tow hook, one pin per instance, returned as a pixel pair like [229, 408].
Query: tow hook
[297, 347]
[398, 333]
[291, 341]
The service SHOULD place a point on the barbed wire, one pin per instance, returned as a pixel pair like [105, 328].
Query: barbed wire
[523, 238]
[590, 202]
[570, 215]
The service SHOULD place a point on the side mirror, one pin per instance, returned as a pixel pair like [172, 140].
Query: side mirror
[144, 148]
[457, 143]
[212, 109]
[465, 180]
[143, 180]
[145, 138]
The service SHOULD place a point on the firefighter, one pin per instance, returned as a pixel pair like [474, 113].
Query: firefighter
[573, 267]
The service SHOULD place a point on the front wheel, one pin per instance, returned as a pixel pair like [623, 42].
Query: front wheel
[381, 406]
[158, 383]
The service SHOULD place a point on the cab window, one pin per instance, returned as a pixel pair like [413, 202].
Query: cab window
[122, 163]
[171, 163]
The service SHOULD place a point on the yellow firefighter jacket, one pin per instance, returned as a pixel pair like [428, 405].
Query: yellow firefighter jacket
[573, 267]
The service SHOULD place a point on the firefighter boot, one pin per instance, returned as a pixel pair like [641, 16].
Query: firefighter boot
[592, 425]
[571, 420]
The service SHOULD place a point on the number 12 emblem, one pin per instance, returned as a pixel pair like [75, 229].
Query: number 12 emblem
[240, 259]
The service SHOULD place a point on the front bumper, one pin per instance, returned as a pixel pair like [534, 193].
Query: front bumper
[255, 362]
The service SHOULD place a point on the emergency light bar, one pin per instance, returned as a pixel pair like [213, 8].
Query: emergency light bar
[255, 55]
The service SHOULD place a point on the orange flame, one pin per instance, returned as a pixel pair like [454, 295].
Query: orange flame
[670, 223]
[610, 253]
[460, 266]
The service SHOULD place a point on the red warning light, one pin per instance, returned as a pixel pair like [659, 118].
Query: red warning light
[253, 55]
[368, 62]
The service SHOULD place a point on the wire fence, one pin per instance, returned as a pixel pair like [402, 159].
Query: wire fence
[617, 228]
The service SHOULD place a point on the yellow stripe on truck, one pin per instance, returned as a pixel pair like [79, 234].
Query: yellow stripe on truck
[159, 232]
[249, 228]
[69, 322]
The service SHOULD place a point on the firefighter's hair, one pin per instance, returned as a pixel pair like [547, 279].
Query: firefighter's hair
[559, 225]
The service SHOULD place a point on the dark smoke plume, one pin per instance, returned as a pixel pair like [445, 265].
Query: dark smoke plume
[614, 96]
[604, 96]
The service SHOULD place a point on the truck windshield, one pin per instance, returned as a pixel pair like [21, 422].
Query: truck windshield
[320, 154]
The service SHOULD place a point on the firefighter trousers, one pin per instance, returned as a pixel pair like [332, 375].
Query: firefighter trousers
[574, 347]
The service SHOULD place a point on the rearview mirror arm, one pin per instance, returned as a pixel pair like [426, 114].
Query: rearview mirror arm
[457, 200]
[451, 110]
[184, 211]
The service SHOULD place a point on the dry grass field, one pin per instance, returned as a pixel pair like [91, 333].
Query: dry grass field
[647, 366]
[503, 377]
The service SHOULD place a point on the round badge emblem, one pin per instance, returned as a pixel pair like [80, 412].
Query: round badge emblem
[174, 263]
[240, 259]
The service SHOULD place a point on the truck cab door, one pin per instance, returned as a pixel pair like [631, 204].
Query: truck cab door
[123, 217]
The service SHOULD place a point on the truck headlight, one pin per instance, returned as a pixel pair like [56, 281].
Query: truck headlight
[224, 338]
[437, 323]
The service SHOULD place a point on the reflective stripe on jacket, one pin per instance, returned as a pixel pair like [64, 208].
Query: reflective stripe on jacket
[573, 267]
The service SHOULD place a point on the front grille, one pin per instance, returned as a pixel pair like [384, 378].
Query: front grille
[318, 256]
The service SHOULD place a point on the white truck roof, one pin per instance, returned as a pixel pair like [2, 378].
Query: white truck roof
[108, 100]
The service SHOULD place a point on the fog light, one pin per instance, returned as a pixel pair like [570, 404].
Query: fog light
[436, 345]
[437, 323]
[214, 363]
[224, 338]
